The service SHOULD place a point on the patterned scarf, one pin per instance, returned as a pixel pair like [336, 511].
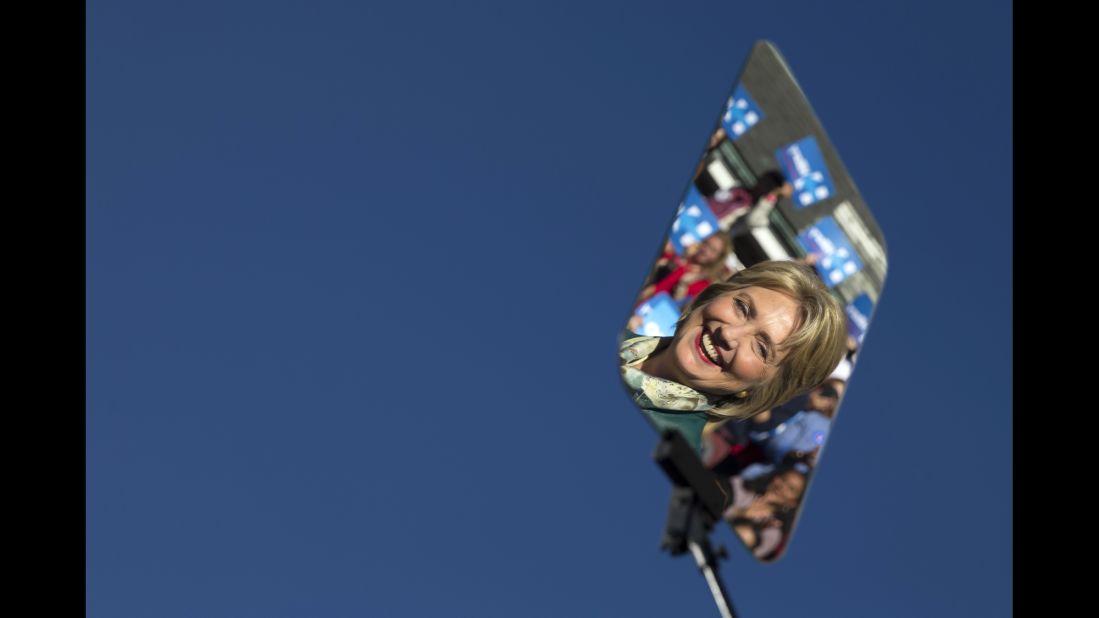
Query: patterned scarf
[651, 392]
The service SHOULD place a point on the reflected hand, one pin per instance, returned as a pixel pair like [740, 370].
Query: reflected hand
[759, 511]
[716, 138]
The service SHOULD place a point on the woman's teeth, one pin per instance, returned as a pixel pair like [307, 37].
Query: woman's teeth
[710, 350]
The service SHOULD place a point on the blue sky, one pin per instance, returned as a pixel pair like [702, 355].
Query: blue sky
[355, 274]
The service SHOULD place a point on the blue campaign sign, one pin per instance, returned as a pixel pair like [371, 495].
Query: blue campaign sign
[804, 166]
[858, 316]
[659, 315]
[838, 259]
[741, 113]
[694, 222]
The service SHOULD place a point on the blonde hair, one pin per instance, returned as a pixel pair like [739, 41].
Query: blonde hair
[815, 347]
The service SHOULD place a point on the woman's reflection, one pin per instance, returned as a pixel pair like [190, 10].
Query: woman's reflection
[768, 333]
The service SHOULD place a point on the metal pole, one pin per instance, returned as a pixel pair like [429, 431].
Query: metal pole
[717, 589]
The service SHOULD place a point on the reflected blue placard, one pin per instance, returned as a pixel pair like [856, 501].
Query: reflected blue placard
[838, 259]
[858, 316]
[804, 166]
[694, 222]
[741, 113]
[659, 314]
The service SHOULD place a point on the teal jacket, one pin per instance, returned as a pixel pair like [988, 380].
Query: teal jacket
[689, 424]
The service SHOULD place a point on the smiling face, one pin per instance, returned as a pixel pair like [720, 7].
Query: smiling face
[709, 250]
[785, 489]
[733, 342]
